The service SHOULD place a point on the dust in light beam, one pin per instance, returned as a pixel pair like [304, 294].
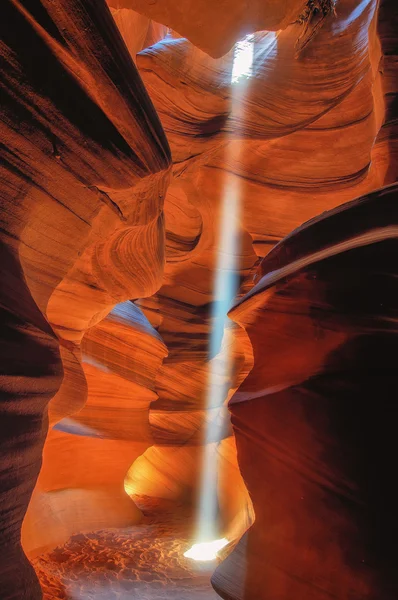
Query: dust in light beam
[225, 288]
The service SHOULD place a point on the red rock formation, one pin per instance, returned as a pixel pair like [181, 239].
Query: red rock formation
[215, 26]
[316, 416]
[240, 132]
[181, 312]
[83, 182]
[305, 417]
[138, 31]
[87, 456]
[254, 136]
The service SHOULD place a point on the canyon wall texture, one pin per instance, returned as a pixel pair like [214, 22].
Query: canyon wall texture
[126, 151]
[214, 27]
[85, 168]
[317, 414]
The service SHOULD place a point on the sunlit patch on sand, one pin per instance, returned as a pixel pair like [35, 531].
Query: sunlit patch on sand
[206, 551]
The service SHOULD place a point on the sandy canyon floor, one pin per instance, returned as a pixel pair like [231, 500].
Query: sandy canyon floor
[144, 562]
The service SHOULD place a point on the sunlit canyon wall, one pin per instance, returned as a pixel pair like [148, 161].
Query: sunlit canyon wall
[123, 131]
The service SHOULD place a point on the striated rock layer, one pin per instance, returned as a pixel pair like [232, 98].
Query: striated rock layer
[288, 150]
[86, 456]
[214, 27]
[88, 221]
[83, 179]
[137, 30]
[316, 415]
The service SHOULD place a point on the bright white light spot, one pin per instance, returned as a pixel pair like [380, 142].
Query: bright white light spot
[243, 59]
[206, 550]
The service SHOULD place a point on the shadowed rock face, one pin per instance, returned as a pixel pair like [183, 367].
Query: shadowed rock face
[83, 180]
[31, 372]
[316, 416]
[109, 246]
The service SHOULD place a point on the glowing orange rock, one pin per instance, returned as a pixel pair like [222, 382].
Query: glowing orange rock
[216, 26]
[85, 171]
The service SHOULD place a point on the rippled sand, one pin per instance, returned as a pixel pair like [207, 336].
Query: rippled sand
[138, 563]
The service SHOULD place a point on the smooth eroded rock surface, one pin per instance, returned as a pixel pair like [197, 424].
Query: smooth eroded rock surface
[158, 160]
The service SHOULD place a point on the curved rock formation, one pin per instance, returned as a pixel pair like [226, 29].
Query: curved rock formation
[138, 31]
[90, 224]
[214, 27]
[87, 456]
[181, 312]
[291, 150]
[316, 415]
[85, 160]
[198, 97]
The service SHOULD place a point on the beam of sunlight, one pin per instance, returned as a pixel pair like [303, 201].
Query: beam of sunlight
[243, 59]
[225, 288]
[209, 540]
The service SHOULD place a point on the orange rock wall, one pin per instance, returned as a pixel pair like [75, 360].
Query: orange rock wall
[84, 172]
[99, 209]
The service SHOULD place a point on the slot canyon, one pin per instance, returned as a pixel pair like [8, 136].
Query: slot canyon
[199, 300]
